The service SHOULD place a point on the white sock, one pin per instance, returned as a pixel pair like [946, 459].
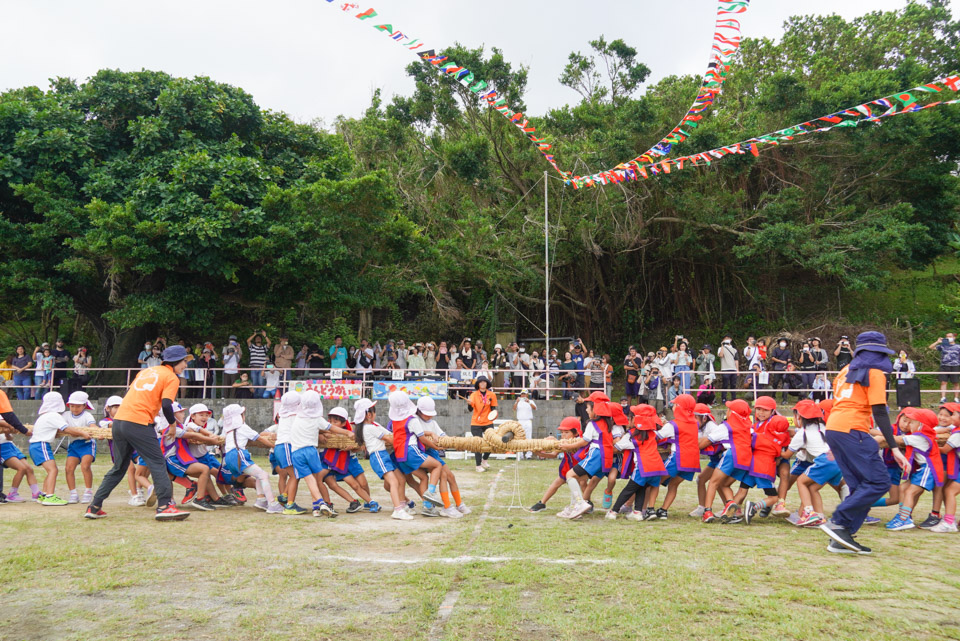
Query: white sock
[575, 493]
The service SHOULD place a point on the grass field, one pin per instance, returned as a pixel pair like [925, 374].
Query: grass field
[495, 574]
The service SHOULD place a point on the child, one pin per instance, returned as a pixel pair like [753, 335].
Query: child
[944, 425]
[951, 452]
[283, 452]
[599, 458]
[426, 413]
[304, 436]
[712, 440]
[733, 466]
[771, 436]
[12, 457]
[345, 466]
[684, 460]
[181, 464]
[893, 469]
[83, 450]
[237, 459]
[570, 430]
[50, 423]
[620, 421]
[375, 438]
[110, 408]
[649, 466]
[764, 408]
[408, 451]
[200, 443]
[823, 471]
[923, 452]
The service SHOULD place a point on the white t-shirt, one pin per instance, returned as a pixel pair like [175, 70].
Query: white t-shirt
[304, 432]
[624, 443]
[592, 435]
[415, 428]
[617, 431]
[752, 355]
[167, 440]
[919, 444]
[83, 420]
[665, 365]
[525, 409]
[285, 429]
[431, 426]
[271, 378]
[231, 363]
[668, 431]
[197, 449]
[954, 441]
[681, 358]
[717, 433]
[373, 434]
[46, 428]
[240, 437]
[809, 443]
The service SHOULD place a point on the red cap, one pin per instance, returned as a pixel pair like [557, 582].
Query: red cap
[647, 418]
[953, 408]
[778, 424]
[598, 397]
[571, 424]
[922, 414]
[739, 406]
[826, 405]
[703, 408]
[808, 409]
[619, 418]
[765, 402]
[602, 409]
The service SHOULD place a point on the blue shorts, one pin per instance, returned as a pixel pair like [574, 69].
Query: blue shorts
[210, 461]
[435, 454]
[381, 463]
[652, 481]
[726, 466]
[354, 469]
[749, 480]
[272, 458]
[283, 455]
[896, 475]
[139, 461]
[40, 453]
[824, 471]
[714, 460]
[799, 467]
[672, 469]
[415, 458]
[306, 461]
[9, 450]
[176, 468]
[237, 461]
[79, 449]
[923, 477]
[593, 463]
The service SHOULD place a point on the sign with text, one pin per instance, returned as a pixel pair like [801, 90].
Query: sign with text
[415, 389]
[332, 390]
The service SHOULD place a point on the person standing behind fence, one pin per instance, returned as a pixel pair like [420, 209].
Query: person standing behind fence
[729, 368]
[631, 370]
[152, 391]
[949, 365]
[82, 362]
[283, 355]
[258, 346]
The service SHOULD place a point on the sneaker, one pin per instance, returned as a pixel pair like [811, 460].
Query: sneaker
[222, 502]
[190, 495]
[171, 513]
[87, 496]
[840, 535]
[635, 515]
[430, 511]
[204, 504]
[463, 509]
[14, 497]
[565, 512]
[52, 499]
[698, 512]
[151, 498]
[929, 522]
[39, 497]
[836, 548]
[708, 516]
[229, 500]
[607, 501]
[662, 514]
[135, 501]
[451, 513]
[411, 505]
[765, 511]
[780, 508]
[293, 509]
[897, 523]
[590, 503]
[275, 508]
[871, 520]
[261, 503]
[581, 508]
[864, 550]
[433, 497]
[650, 514]
[191, 503]
[943, 399]
[401, 514]
[729, 508]
[409, 510]
[324, 510]
[73, 497]
[538, 507]
[35, 495]
[749, 509]
[480, 468]
[354, 507]
[626, 509]
[485, 465]
[611, 515]
[794, 518]
[282, 499]
[239, 495]
[815, 519]
[373, 507]
[736, 518]
[940, 528]
[94, 513]
[3, 497]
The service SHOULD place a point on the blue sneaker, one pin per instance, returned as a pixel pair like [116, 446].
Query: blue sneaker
[607, 501]
[373, 507]
[897, 523]
[411, 505]
[871, 520]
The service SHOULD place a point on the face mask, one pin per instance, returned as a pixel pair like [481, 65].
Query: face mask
[782, 345]
[951, 339]
[147, 346]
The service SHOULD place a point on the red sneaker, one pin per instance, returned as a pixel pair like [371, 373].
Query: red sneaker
[171, 513]
[191, 492]
[94, 513]
[240, 495]
[708, 516]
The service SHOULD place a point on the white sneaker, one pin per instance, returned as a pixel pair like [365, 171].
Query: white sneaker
[463, 509]
[581, 508]
[485, 465]
[565, 512]
[451, 513]
[74, 497]
[402, 515]
[697, 513]
[87, 496]
[430, 511]
[135, 501]
[151, 497]
[261, 504]
[636, 515]
[140, 493]
[409, 510]
[275, 508]
[611, 515]
[943, 527]
[481, 468]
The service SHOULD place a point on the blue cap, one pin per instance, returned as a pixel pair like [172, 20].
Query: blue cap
[872, 342]
[174, 353]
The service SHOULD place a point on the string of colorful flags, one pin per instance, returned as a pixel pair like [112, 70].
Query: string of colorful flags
[655, 161]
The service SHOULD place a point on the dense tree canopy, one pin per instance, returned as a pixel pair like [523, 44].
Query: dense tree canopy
[139, 200]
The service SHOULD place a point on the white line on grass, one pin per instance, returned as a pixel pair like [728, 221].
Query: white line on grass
[462, 560]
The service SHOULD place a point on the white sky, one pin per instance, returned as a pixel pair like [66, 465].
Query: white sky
[311, 60]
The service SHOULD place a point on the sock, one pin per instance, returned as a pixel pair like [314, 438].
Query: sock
[456, 498]
[575, 491]
[936, 514]
[431, 488]
[34, 488]
[446, 499]
[881, 502]
[427, 504]
[905, 512]
[949, 519]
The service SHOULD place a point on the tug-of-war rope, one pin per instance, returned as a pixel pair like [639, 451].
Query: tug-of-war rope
[726, 42]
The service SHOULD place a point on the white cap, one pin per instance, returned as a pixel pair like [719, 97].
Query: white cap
[176, 407]
[426, 406]
[498, 346]
[232, 417]
[199, 407]
[524, 391]
[339, 411]
[289, 404]
[52, 402]
[360, 409]
[80, 398]
[310, 405]
[401, 407]
[113, 401]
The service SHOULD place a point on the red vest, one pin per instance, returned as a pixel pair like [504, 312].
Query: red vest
[569, 461]
[766, 453]
[649, 462]
[740, 441]
[606, 446]
[400, 438]
[953, 461]
[339, 460]
[934, 460]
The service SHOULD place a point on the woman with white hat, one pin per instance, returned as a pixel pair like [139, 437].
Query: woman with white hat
[82, 450]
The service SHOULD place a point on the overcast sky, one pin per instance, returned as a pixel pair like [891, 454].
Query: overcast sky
[311, 60]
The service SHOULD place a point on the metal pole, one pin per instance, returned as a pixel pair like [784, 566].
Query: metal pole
[546, 265]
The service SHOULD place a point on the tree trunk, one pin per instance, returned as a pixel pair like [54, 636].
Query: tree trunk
[365, 324]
